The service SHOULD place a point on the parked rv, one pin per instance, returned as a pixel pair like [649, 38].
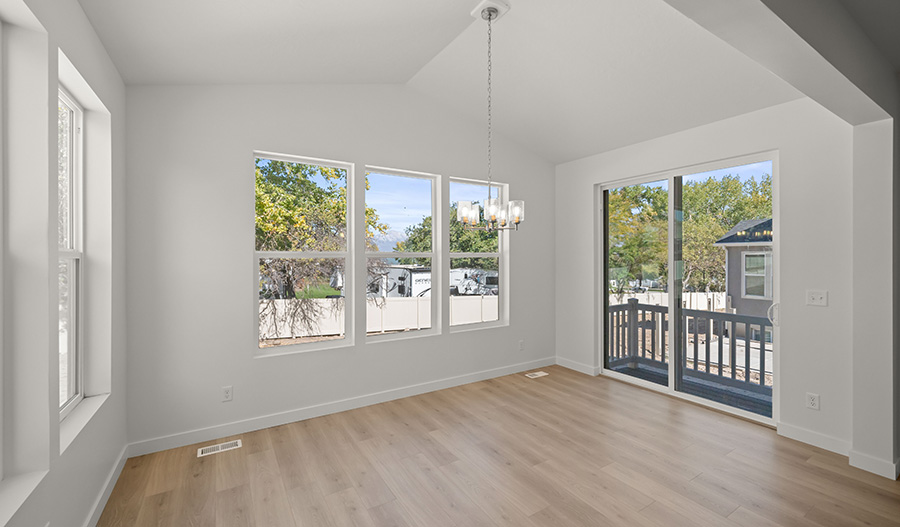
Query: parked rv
[393, 281]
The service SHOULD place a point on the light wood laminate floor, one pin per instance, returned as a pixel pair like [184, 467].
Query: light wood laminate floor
[562, 450]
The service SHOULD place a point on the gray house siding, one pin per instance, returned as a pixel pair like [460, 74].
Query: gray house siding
[743, 306]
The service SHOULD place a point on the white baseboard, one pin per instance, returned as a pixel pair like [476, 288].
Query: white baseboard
[830, 443]
[875, 465]
[157, 444]
[578, 366]
[99, 505]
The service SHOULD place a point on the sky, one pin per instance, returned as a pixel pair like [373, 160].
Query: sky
[744, 172]
[403, 201]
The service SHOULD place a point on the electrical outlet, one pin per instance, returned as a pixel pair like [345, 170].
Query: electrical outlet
[812, 401]
[521, 345]
[816, 297]
[227, 393]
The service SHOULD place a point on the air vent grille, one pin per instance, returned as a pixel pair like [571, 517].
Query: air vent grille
[221, 447]
[536, 374]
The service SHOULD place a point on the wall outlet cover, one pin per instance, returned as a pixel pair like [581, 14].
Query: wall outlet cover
[812, 401]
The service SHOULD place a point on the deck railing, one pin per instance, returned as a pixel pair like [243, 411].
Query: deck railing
[717, 347]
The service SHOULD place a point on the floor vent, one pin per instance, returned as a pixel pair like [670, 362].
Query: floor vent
[221, 447]
[536, 374]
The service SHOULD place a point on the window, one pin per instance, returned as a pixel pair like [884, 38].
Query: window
[302, 245]
[474, 261]
[69, 238]
[756, 279]
[400, 251]
[754, 335]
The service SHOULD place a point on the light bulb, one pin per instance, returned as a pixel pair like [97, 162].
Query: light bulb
[473, 214]
[491, 207]
[462, 211]
[503, 216]
[517, 211]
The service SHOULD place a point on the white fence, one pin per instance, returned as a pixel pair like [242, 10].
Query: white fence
[385, 315]
[702, 301]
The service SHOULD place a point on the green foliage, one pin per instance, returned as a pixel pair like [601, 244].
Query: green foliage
[320, 290]
[293, 213]
[638, 232]
[461, 240]
[711, 208]
[638, 228]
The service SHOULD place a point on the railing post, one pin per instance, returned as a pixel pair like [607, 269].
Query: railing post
[632, 321]
[661, 337]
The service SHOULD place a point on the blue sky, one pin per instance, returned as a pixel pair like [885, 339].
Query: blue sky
[404, 201]
[744, 172]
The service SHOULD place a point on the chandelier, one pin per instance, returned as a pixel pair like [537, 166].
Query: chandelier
[496, 215]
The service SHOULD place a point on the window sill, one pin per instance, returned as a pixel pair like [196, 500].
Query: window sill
[463, 328]
[293, 349]
[377, 338]
[15, 490]
[78, 418]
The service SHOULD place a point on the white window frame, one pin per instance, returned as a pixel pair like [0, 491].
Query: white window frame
[74, 253]
[435, 261]
[754, 335]
[345, 255]
[766, 274]
[503, 271]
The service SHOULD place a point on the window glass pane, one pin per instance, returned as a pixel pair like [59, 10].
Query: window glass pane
[64, 176]
[300, 207]
[398, 295]
[755, 263]
[300, 300]
[398, 213]
[756, 286]
[68, 385]
[474, 290]
[637, 260]
[465, 241]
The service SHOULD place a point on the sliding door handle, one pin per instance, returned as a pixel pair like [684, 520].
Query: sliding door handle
[774, 313]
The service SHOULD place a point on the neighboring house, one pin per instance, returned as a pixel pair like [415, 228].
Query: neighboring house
[749, 268]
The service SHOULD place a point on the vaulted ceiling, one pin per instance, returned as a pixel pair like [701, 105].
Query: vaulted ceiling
[571, 77]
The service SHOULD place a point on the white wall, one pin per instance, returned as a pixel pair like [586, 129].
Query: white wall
[814, 199]
[191, 324]
[69, 484]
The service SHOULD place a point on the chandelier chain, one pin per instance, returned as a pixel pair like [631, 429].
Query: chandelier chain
[489, 129]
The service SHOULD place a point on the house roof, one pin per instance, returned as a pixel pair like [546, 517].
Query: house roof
[748, 232]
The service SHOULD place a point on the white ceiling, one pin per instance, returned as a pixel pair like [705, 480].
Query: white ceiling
[598, 75]
[274, 41]
[571, 77]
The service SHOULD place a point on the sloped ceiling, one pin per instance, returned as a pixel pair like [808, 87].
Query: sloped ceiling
[578, 77]
[571, 77]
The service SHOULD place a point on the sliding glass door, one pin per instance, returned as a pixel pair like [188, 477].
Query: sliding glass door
[637, 249]
[690, 284]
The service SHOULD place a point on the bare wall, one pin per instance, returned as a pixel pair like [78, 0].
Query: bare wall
[191, 237]
[812, 196]
[75, 479]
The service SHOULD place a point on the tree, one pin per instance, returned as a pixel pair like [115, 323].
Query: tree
[461, 240]
[638, 229]
[638, 235]
[711, 208]
[294, 212]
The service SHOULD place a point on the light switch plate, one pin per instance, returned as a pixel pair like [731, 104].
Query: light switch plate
[816, 297]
